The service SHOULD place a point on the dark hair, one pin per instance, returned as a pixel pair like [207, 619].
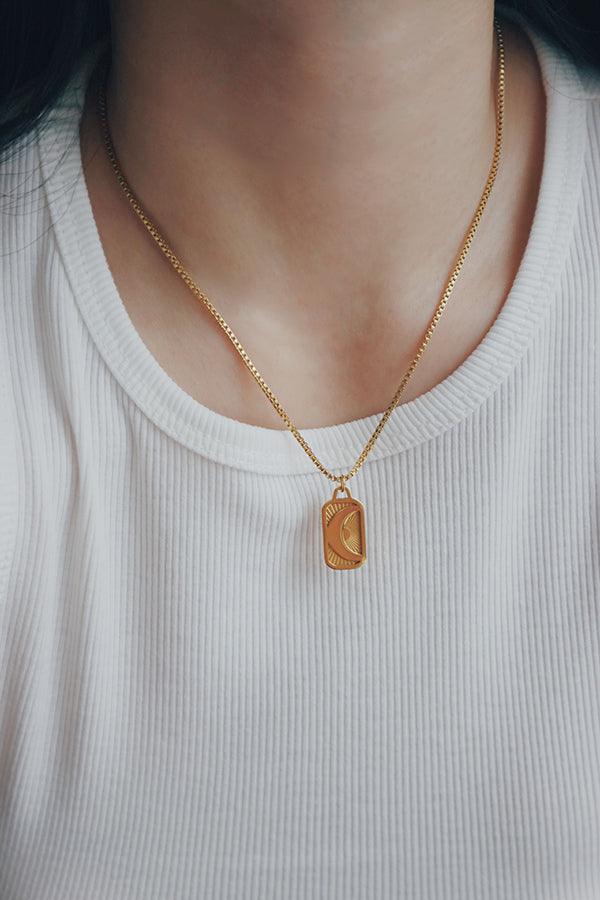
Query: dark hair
[42, 44]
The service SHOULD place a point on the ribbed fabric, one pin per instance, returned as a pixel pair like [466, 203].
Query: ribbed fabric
[192, 705]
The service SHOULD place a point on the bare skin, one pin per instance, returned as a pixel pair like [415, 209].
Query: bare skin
[316, 167]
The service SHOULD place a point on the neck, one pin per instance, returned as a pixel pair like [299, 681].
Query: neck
[316, 167]
[291, 123]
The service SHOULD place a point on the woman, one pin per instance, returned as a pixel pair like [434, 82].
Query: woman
[219, 680]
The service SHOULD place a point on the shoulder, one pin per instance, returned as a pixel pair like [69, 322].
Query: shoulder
[34, 299]
[572, 133]
[34, 193]
[27, 168]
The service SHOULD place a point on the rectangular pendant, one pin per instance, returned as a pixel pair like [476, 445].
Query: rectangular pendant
[343, 532]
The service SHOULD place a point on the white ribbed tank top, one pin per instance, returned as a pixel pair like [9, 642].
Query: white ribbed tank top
[192, 705]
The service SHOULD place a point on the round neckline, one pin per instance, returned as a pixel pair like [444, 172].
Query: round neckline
[269, 451]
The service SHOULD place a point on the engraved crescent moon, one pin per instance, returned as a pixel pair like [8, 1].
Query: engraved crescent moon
[344, 536]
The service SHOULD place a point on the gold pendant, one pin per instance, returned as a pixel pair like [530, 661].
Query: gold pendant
[343, 531]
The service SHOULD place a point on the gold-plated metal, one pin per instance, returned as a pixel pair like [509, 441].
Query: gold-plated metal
[187, 279]
[343, 531]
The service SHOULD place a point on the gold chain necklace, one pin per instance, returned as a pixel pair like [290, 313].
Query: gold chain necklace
[343, 517]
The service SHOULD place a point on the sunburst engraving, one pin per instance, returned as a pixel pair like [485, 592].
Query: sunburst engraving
[350, 535]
